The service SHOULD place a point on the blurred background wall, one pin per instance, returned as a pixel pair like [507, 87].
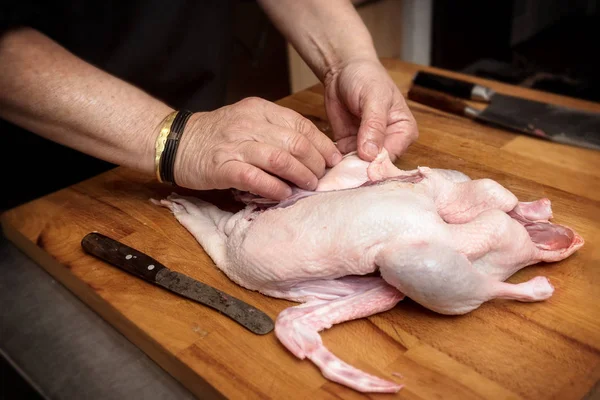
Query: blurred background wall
[544, 44]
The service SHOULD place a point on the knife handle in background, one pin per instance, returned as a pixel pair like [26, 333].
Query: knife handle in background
[441, 101]
[455, 87]
[122, 256]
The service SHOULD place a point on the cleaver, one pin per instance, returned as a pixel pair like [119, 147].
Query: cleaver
[542, 120]
[150, 270]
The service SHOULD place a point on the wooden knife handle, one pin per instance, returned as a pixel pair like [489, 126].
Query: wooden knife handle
[120, 255]
[438, 100]
[451, 86]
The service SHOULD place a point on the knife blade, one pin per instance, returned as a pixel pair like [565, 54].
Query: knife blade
[542, 120]
[151, 270]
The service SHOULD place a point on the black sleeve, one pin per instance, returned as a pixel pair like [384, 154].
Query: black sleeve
[18, 13]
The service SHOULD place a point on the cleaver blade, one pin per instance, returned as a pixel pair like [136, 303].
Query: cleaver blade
[542, 120]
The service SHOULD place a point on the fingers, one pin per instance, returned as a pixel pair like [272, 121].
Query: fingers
[397, 141]
[287, 118]
[279, 162]
[372, 129]
[323, 144]
[343, 123]
[249, 178]
[347, 144]
[402, 130]
[258, 161]
[297, 145]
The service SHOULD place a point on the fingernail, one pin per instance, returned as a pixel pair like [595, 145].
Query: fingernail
[336, 158]
[371, 149]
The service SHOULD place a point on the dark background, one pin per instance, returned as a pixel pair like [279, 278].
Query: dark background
[547, 45]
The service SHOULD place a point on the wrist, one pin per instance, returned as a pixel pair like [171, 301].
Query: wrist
[186, 166]
[332, 70]
[344, 49]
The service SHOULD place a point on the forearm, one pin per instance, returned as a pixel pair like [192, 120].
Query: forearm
[325, 33]
[49, 91]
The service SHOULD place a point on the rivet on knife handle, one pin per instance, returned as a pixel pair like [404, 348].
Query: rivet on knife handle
[452, 86]
[441, 101]
[149, 269]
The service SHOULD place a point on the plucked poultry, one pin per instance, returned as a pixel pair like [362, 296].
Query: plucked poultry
[368, 236]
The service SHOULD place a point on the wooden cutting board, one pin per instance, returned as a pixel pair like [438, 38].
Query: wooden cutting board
[503, 350]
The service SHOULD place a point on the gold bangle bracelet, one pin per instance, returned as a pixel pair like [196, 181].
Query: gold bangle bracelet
[161, 139]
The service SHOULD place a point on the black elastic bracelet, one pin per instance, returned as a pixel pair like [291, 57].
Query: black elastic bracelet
[167, 162]
[171, 145]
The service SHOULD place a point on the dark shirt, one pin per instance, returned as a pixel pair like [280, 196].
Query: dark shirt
[176, 50]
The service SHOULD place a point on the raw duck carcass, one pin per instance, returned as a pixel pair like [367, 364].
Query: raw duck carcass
[434, 235]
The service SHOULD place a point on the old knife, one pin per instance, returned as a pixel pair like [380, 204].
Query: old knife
[542, 120]
[149, 269]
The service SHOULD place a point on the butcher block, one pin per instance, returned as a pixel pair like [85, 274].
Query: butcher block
[503, 350]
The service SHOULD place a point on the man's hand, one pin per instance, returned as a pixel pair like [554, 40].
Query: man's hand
[362, 101]
[367, 111]
[253, 145]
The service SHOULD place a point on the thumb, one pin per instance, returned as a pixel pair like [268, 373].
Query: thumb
[371, 133]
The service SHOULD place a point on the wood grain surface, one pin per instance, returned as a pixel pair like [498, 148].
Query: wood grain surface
[503, 350]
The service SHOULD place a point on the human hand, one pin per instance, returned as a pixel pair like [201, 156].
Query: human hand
[367, 111]
[253, 145]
